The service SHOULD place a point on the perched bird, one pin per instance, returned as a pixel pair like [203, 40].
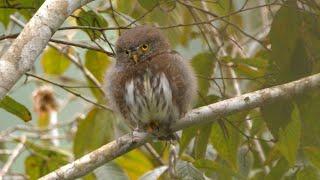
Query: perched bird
[150, 85]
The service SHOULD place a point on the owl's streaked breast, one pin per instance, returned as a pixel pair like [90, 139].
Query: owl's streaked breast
[149, 98]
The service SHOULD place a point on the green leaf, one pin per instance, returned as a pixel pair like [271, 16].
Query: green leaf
[309, 104]
[186, 137]
[313, 154]
[97, 63]
[30, 9]
[43, 159]
[5, 16]
[227, 147]
[148, 4]
[100, 123]
[203, 65]
[283, 42]
[129, 163]
[15, 108]
[37, 166]
[250, 67]
[53, 62]
[201, 141]
[126, 6]
[277, 115]
[289, 138]
[90, 18]
[308, 173]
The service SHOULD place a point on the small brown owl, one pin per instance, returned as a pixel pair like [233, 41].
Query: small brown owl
[150, 85]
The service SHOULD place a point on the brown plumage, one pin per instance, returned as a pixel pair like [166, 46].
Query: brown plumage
[150, 85]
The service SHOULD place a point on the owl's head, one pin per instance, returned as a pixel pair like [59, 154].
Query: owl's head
[139, 44]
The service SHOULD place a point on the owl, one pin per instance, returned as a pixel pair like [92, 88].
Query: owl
[150, 85]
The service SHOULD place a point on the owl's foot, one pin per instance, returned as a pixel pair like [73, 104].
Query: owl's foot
[152, 127]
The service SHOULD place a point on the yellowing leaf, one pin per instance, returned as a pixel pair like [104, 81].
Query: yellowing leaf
[135, 163]
[94, 131]
[53, 62]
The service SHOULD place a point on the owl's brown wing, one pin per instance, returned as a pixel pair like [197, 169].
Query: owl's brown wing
[182, 79]
[114, 85]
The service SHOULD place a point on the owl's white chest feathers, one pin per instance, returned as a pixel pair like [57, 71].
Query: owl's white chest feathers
[149, 98]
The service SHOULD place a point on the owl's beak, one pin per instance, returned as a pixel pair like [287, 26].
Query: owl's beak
[134, 57]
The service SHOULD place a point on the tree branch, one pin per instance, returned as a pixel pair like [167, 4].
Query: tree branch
[33, 39]
[203, 114]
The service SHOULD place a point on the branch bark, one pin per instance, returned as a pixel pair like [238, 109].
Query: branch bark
[21, 55]
[203, 114]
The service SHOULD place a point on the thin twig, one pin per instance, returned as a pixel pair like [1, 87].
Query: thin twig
[16, 152]
[70, 91]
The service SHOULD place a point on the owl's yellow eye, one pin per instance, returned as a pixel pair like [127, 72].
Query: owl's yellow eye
[144, 47]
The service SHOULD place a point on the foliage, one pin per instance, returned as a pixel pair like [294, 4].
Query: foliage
[262, 44]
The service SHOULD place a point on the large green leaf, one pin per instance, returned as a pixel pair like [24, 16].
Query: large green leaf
[99, 124]
[14, 107]
[284, 42]
[97, 63]
[277, 115]
[227, 147]
[202, 140]
[53, 62]
[90, 18]
[289, 138]
[309, 104]
[203, 65]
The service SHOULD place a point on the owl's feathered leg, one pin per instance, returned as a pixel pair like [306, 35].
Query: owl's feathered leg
[161, 131]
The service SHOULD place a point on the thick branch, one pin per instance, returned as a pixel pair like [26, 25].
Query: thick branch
[33, 39]
[203, 114]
